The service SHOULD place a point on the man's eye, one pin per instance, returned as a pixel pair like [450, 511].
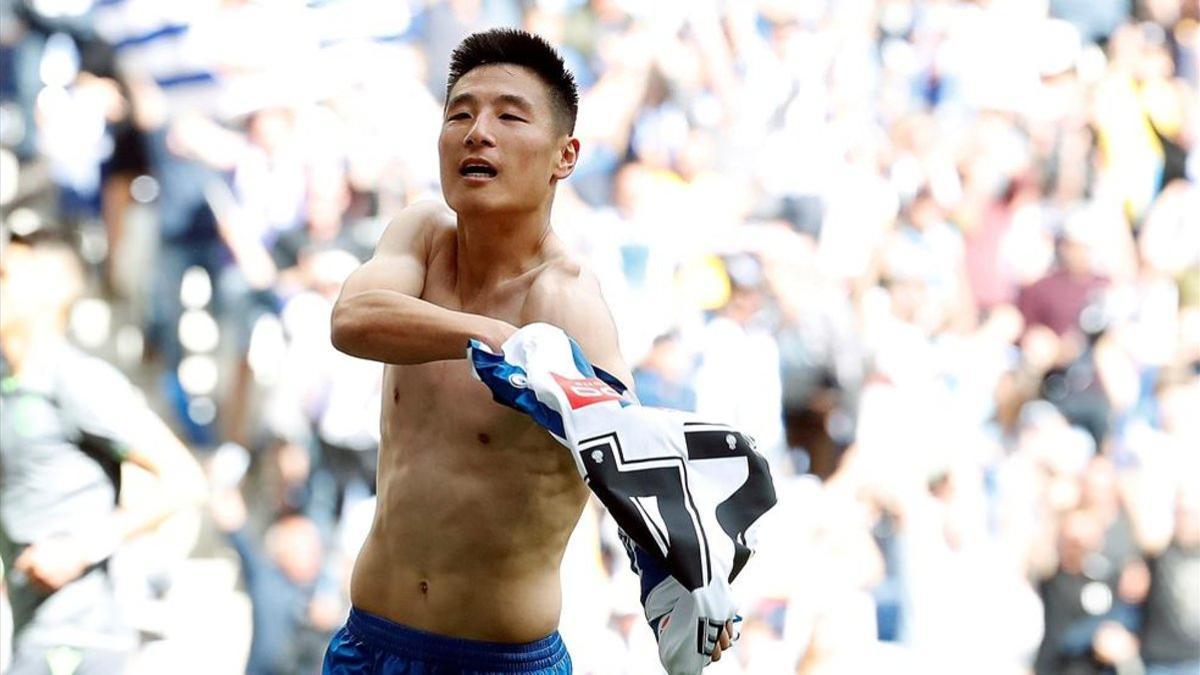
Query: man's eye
[510, 116]
[459, 116]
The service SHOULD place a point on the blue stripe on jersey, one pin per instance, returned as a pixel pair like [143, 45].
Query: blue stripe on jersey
[588, 370]
[502, 378]
[581, 362]
[170, 30]
[613, 382]
[184, 79]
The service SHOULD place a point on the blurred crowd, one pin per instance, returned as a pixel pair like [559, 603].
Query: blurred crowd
[941, 258]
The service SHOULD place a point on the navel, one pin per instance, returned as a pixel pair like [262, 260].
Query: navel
[485, 439]
[424, 586]
[396, 395]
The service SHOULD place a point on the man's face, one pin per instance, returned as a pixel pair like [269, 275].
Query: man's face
[501, 148]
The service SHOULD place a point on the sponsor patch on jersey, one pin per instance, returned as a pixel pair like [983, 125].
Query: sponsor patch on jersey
[585, 392]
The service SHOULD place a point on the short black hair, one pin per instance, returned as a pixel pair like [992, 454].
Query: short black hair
[519, 48]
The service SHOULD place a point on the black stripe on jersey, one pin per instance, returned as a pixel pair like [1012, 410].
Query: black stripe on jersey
[688, 556]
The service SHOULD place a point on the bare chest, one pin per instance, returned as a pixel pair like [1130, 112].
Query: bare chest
[442, 404]
[444, 400]
[441, 423]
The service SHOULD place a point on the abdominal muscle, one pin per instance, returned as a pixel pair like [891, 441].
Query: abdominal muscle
[475, 506]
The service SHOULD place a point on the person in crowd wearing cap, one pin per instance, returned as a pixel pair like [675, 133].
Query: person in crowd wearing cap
[67, 422]
[475, 502]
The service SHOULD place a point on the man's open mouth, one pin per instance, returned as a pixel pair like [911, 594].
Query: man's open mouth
[476, 169]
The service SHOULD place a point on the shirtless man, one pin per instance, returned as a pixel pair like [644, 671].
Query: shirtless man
[460, 572]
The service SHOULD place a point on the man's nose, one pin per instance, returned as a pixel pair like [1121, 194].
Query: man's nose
[479, 134]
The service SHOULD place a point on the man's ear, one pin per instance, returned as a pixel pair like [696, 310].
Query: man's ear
[567, 159]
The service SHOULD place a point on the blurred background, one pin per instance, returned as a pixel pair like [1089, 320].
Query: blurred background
[941, 258]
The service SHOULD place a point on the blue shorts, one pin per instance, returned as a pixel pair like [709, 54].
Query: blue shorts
[372, 644]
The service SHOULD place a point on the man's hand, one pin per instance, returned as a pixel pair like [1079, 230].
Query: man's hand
[725, 641]
[498, 332]
[52, 563]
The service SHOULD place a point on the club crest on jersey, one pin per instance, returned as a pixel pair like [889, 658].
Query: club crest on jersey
[586, 391]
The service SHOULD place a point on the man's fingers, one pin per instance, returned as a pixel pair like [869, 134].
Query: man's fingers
[724, 641]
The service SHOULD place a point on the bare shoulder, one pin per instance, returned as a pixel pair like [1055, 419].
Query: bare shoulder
[402, 253]
[567, 294]
[564, 288]
[442, 224]
[417, 226]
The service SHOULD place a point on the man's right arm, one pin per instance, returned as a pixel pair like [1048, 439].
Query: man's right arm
[380, 314]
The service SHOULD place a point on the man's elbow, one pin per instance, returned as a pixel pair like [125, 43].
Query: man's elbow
[347, 327]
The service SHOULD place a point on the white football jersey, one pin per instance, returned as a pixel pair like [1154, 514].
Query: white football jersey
[685, 491]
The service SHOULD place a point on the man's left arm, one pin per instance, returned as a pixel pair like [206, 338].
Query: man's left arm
[571, 299]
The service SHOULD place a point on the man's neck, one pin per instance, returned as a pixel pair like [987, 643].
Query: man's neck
[493, 249]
